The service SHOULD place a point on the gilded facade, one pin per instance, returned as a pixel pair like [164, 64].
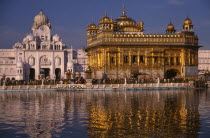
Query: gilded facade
[119, 48]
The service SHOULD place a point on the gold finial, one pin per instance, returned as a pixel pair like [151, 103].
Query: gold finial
[40, 11]
[124, 9]
[93, 20]
[105, 13]
[170, 21]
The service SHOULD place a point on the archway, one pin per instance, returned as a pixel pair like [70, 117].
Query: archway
[58, 73]
[172, 73]
[45, 71]
[32, 74]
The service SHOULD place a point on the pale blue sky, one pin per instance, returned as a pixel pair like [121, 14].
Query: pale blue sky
[69, 18]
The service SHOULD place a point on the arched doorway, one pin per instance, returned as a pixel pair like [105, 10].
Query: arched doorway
[45, 71]
[58, 73]
[32, 74]
[172, 73]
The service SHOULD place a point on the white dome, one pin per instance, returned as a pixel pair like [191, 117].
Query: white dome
[56, 38]
[20, 64]
[18, 45]
[30, 37]
[25, 39]
[40, 19]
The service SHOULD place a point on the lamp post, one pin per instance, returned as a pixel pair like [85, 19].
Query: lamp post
[42, 79]
[206, 75]
[54, 76]
[88, 77]
[4, 79]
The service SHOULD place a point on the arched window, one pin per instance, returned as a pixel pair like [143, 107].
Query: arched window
[44, 60]
[31, 60]
[57, 61]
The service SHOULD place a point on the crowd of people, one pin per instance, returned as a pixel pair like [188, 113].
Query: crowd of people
[81, 80]
[9, 82]
[137, 81]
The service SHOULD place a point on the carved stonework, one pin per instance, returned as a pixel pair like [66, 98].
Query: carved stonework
[44, 60]
[31, 60]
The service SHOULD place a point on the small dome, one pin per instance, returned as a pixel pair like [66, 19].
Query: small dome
[92, 26]
[141, 23]
[56, 38]
[170, 27]
[20, 64]
[25, 39]
[105, 19]
[187, 21]
[18, 45]
[30, 37]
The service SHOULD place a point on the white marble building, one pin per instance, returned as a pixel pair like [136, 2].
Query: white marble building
[203, 61]
[41, 53]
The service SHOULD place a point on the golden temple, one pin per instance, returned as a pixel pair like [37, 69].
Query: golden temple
[119, 48]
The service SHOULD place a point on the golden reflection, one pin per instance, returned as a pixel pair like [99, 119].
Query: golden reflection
[142, 114]
[101, 114]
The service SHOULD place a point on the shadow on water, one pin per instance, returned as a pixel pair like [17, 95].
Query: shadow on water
[171, 113]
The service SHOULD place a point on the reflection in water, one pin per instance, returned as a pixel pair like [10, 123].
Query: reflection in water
[64, 114]
[146, 113]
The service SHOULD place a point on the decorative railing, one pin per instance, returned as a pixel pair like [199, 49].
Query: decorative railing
[70, 86]
[143, 40]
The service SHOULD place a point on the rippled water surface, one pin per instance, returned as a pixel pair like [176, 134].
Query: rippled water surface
[174, 113]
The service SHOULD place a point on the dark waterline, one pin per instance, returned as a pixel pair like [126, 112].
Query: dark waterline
[172, 113]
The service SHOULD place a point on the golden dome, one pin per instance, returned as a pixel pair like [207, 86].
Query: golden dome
[41, 19]
[170, 26]
[125, 20]
[141, 23]
[105, 19]
[92, 26]
[187, 21]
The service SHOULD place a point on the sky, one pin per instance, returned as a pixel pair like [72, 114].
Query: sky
[69, 18]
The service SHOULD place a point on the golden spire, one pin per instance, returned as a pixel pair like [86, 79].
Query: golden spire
[124, 10]
[92, 21]
[105, 13]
